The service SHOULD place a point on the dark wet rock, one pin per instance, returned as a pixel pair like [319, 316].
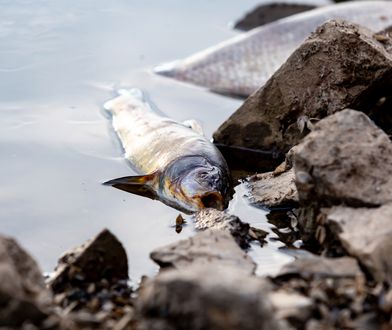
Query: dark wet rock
[101, 258]
[320, 267]
[199, 297]
[241, 231]
[345, 159]
[246, 161]
[340, 65]
[23, 295]
[270, 12]
[365, 234]
[207, 248]
[273, 189]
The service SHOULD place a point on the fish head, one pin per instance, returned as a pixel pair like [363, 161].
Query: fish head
[195, 184]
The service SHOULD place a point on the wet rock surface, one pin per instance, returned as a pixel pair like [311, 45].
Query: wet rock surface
[206, 298]
[340, 65]
[23, 295]
[242, 232]
[208, 248]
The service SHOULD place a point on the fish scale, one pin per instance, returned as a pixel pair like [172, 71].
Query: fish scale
[244, 63]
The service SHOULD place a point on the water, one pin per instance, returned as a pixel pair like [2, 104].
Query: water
[59, 62]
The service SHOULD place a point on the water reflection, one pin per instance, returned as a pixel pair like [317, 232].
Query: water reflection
[59, 62]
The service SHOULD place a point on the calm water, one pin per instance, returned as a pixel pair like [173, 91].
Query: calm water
[59, 61]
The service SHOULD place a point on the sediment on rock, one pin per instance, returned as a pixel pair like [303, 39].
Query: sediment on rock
[207, 248]
[340, 65]
[242, 232]
[273, 189]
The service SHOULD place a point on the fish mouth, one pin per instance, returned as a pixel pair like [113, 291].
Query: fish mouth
[212, 199]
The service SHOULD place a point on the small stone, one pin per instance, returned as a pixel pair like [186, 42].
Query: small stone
[101, 259]
[210, 247]
[214, 219]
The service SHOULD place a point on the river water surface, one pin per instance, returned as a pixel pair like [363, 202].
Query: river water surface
[59, 62]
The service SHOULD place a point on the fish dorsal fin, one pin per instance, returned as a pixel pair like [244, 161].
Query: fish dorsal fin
[194, 125]
[143, 185]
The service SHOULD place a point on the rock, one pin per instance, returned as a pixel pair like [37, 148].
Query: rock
[340, 65]
[367, 235]
[241, 231]
[23, 295]
[91, 285]
[320, 267]
[345, 159]
[201, 297]
[101, 258]
[335, 287]
[273, 190]
[207, 248]
[270, 12]
[291, 305]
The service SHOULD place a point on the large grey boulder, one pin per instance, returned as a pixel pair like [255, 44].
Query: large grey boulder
[207, 248]
[199, 297]
[340, 65]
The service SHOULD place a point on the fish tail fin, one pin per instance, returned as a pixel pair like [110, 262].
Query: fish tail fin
[125, 96]
[167, 69]
[143, 185]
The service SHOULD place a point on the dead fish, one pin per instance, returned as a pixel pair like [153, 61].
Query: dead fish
[179, 166]
[244, 63]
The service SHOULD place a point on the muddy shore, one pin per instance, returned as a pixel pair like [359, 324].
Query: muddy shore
[332, 127]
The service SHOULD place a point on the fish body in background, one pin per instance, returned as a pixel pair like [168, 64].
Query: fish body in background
[244, 63]
[178, 165]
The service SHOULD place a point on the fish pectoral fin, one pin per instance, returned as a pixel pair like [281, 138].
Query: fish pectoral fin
[142, 185]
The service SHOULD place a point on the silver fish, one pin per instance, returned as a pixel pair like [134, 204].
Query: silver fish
[244, 63]
[179, 166]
